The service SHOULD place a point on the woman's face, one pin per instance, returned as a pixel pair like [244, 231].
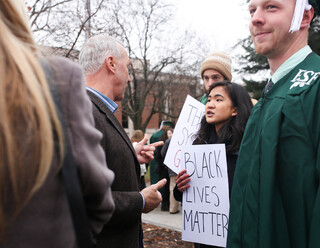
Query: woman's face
[219, 109]
[169, 133]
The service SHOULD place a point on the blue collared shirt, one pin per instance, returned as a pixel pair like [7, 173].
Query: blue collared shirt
[106, 100]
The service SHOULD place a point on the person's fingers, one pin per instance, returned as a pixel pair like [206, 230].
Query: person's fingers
[183, 182]
[148, 155]
[148, 148]
[156, 144]
[160, 184]
[182, 177]
[144, 140]
[182, 172]
[159, 195]
[183, 188]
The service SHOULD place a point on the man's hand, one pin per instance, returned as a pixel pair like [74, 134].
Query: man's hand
[182, 180]
[145, 152]
[152, 195]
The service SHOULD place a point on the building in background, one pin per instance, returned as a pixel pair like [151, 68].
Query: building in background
[169, 91]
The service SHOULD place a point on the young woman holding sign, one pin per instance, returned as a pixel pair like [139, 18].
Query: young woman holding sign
[226, 114]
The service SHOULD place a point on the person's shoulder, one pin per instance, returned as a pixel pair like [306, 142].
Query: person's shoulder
[157, 135]
[61, 63]
[204, 99]
[307, 76]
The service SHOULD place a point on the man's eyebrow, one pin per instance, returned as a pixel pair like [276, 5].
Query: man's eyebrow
[250, 5]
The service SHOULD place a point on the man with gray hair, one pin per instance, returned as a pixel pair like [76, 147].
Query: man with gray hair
[106, 65]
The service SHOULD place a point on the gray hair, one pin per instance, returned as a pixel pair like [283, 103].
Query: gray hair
[95, 51]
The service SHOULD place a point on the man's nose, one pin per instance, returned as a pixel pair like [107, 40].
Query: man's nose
[258, 17]
[211, 81]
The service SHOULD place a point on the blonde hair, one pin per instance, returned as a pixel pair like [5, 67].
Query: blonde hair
[137, 136]
[28, 119]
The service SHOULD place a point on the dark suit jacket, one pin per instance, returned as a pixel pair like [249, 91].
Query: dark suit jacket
[124, 228]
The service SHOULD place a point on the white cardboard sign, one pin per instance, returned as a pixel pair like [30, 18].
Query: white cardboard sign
[187, 126]
[205, 208]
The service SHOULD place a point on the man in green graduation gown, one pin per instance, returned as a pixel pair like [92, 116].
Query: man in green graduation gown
[154, 177]
[276, 197]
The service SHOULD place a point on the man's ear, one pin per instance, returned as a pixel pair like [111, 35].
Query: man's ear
[307, 18]
[110, 64]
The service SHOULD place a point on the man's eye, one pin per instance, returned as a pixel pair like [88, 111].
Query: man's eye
[271, 7]
[252, 11]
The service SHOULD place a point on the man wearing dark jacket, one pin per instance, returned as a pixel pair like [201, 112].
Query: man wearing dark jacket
[105, 63]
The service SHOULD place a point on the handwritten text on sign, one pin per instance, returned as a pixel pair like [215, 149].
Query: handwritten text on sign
[187, 126]
[205, 213]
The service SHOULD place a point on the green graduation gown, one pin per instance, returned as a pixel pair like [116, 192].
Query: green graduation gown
[204, 99]
[276, 198]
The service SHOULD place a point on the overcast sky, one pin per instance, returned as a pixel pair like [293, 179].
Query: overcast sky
[222, 22]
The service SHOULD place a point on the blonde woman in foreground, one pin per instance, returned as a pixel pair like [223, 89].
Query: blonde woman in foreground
[34, 211]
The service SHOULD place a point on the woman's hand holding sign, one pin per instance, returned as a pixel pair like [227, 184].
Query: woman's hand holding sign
[182, 180]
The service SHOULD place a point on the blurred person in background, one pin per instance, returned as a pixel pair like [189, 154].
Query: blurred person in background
[137, 136]
[173, 203]
[154, 177]
[162, 169]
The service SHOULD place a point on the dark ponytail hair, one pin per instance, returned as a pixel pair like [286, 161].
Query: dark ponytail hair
[232, 132]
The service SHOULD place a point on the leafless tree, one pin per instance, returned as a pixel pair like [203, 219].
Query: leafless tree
[161, 52]
[158, 55]
[63, 24]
